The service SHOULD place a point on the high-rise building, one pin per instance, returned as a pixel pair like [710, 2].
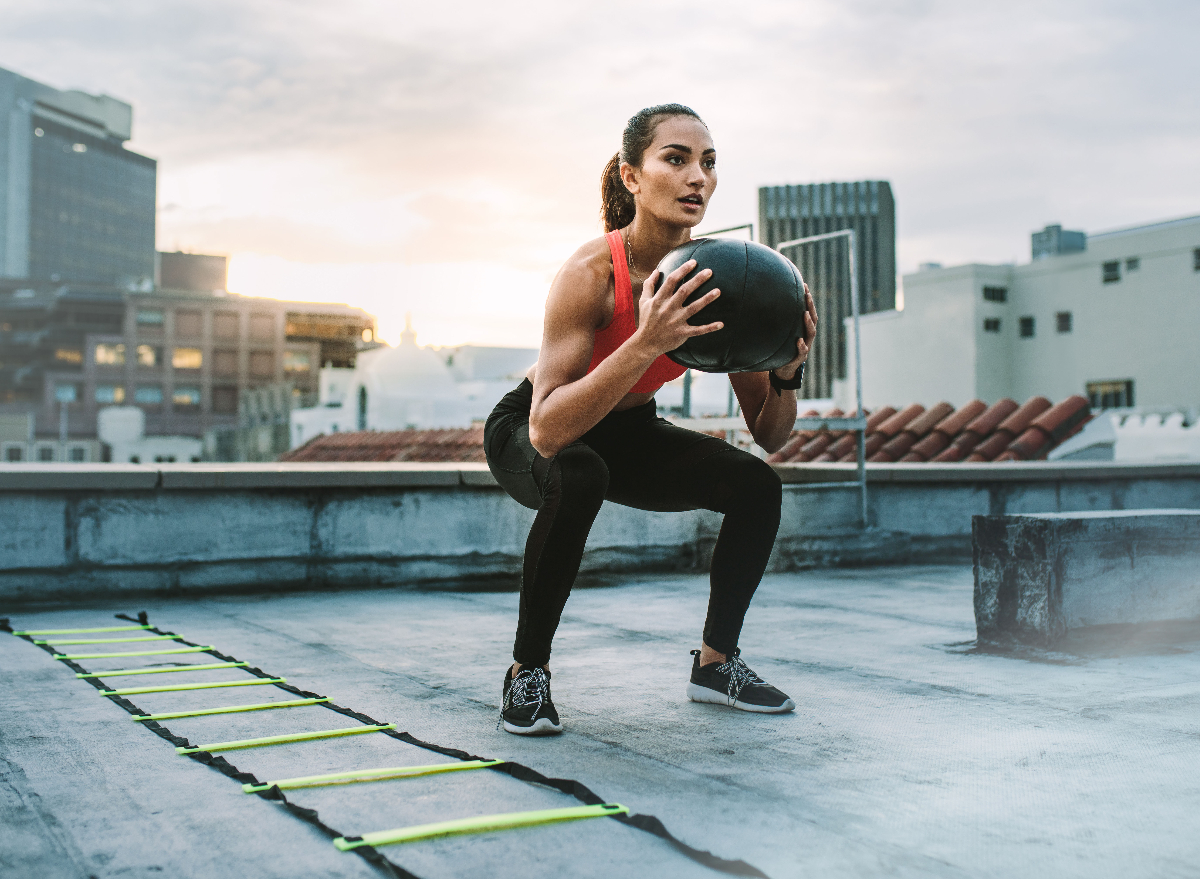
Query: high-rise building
[789, 212]
[75, 205]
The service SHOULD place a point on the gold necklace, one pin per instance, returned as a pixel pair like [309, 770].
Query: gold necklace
[633, 269]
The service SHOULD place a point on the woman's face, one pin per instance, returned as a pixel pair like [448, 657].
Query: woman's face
[678, 173]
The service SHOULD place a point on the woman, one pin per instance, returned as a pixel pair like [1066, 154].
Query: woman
[582, 428]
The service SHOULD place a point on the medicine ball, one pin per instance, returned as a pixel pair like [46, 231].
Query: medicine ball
[761, 305]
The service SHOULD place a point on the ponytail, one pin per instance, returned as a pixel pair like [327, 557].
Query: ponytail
[616, 202]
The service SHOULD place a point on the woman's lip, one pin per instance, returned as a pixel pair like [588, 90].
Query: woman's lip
[689, 203]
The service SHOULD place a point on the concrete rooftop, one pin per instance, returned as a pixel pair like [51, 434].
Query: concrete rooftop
[910, 754]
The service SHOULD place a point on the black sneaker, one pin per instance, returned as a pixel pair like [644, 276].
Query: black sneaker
[527, 709]
[735, 684]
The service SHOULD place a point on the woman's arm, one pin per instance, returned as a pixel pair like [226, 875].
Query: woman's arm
[568, 400]
[770, 416]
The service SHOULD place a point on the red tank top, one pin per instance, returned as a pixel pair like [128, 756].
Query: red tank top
[609, 339]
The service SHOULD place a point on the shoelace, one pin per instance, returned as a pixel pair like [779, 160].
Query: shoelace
[529, 687]
[740, 676]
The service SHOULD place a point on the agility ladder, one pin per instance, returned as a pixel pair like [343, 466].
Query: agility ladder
[364, 845]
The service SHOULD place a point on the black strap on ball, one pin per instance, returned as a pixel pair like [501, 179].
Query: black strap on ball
[781, 384]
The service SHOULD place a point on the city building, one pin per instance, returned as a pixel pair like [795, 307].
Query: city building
[183, 357]
[789, 212]
[75, 205]
[1115, 322]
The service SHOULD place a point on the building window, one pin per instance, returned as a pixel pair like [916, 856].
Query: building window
[77, 454]
[991, 324]
[362, 408]
[109, 395]
[224, 400]
[1027, 327]
[1112, 271]
[995, 294]
[225, 362]
[72, 356]
[225, 324]
[148, 355]
[150, 318]
[1062, 321]
[66, 393]
[14, 454]
[262, 327]
[148, 395]
[1196, 260]
[189, 324]
[45, 454]
[296, 361]
[262, 364]
[187, 358]
[1116, 394]
[109, 355]
[1133, 263]
[186, 398]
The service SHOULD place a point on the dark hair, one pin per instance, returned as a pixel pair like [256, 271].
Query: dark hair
[616, 202]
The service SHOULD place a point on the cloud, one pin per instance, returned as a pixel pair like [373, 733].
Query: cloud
[416, 133]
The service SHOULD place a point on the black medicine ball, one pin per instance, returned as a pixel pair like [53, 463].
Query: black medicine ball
[761, 305]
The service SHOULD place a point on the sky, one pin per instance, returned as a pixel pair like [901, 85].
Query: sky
[443, 159]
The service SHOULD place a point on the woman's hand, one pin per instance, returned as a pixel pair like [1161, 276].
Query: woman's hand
[663, 318]
[787, 372]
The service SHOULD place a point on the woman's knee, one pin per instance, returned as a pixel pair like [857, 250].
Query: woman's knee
[752, 482]
[580, 475]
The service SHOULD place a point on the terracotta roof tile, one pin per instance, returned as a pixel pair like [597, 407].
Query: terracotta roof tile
[847, 441]
[1047, 430]
[979, 427]
[898, 446]
[454, 444]
[820, 441]
[945, 431]
[1003, 431]
[886, 431]
[1008, 429]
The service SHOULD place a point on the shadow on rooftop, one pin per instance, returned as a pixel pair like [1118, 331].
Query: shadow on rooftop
[1166, 638]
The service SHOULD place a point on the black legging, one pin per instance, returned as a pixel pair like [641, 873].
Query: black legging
[640, 460]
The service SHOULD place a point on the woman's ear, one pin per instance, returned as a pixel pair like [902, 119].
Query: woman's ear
[629, 176]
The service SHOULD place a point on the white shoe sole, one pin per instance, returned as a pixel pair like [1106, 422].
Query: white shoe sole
[543, 726]
[697, 693]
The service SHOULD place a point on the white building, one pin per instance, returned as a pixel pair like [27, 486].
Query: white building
[1116, 322]
[123, 430]
[409, 387]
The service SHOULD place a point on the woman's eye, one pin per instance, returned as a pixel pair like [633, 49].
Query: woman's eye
[675, 160]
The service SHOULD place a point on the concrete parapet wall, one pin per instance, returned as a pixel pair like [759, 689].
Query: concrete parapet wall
[1037, 577]
[74, 530]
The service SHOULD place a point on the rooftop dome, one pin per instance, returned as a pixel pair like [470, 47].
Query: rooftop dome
[407, 386]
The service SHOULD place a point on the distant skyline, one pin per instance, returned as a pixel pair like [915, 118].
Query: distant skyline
[444, 160]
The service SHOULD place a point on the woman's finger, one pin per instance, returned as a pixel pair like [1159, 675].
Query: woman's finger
[700, 331]
[672, 282]
[693, 284]
[689, 310]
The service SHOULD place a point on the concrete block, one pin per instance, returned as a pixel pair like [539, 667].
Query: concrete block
[933, 510]
[420, 524]
[1039, 576]
[172, 528]
[34, 531]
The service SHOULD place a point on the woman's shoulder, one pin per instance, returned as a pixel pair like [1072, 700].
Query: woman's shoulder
[589, 270]
[592, 261]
